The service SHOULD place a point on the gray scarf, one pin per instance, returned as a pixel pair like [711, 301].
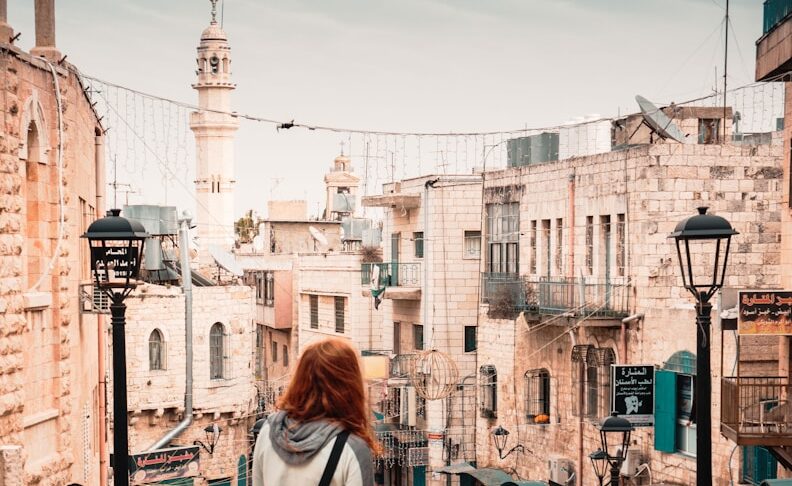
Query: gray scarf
[296, 443]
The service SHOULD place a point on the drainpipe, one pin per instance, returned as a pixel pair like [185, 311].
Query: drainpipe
[427, 330]
[99, 171]
[184, 236]
[571, 225]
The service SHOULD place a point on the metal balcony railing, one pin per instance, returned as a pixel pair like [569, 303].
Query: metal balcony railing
[775, 11]
[392, 274]
[756, 410]
[589, 296]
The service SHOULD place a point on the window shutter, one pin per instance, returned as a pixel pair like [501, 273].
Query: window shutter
[665, 411]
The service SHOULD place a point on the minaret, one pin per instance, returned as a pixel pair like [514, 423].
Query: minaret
[214, 131]
[341, 187]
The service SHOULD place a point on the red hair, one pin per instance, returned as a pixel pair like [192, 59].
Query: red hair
[328, 385]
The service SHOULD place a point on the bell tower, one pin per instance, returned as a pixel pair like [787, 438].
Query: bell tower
[214, 130]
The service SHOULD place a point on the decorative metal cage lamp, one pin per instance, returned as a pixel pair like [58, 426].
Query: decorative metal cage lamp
[615, 434]
[599, 461]
[434, 375]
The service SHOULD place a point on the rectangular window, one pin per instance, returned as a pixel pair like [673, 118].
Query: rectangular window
[605, 252]
[274, 352]
[709, 129]
[313, 301]
[259, 279]
[470, 339]
[559, 246]
[339, 313]
[534, 250]
[621, 246]
[472, 244]
[418, 337]
[546, 246]
[503, 229]
[537, 396]
[590, 244]
[269, 289]
[259, 351]
[418, 239]
[397, 338]
[488, 385]
[285, 356]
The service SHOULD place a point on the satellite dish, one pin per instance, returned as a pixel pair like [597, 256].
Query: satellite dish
[658, 122]
[226, 260]
[318, 236]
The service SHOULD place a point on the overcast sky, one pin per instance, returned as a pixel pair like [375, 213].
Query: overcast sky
[411, 65]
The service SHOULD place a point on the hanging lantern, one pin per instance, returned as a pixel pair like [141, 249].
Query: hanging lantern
[434, 375]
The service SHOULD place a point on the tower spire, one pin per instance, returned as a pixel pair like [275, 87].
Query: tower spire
[214, 11]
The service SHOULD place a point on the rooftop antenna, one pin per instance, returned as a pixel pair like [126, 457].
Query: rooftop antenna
[115, 184]
[725, 67]
[342, 147]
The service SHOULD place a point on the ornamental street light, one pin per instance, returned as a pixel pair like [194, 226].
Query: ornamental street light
[702, 243]
[116, 245]
[615, 439]
[501, 436]
[599, 461]
[212, 432]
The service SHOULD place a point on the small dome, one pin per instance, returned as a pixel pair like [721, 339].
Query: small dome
[213, 32]
[342, 159]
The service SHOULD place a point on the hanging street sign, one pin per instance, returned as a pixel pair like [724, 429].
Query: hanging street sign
[632, 393]
[171, 463]
[763, 312]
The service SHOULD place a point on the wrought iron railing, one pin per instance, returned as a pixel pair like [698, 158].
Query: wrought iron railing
[753, 405]
[595, 297]
[774, 12]
[391, 274]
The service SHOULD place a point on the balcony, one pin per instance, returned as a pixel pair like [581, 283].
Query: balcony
[401, 280]
[587, 296]
[756, 411]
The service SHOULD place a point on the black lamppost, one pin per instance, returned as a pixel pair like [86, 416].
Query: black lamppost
[212, 432]
[599, 461]
[116, 250]
[615, 438]
[705, 233]
[501, 436]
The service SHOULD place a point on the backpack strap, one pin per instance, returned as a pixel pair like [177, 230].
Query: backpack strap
[335, 455]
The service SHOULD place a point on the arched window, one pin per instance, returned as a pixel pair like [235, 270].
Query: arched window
[225, 65]
[488, 384]
[537, 396]
[216, 351]
[214, 64]
[156, 346]
[591, 372]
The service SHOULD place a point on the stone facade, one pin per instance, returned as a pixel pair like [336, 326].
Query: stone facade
[156, 382]
[48, 348]
[622, 206]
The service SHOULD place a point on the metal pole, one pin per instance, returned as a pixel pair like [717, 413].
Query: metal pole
[725, 68]
[703, 391]
[120, 440]
[614, 480]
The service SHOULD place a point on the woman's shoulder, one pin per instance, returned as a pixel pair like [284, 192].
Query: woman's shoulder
[363, 457]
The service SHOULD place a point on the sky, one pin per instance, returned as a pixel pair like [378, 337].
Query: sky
[407, 66]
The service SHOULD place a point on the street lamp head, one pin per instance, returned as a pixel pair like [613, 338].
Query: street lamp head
[500, 436]
[116, 249]
[615, 436]
[696, 238]
[599, 460]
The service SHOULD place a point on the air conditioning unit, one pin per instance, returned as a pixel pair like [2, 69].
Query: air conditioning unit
[93, 300]
[408, 409]
[631, 463]
[562, 470]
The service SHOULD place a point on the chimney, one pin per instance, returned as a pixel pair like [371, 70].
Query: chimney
[6, 32]
[45, 31]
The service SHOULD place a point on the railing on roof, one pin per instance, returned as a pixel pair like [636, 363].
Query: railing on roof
[590, 296]
[757, 410]
[775, 11]
[392, 274]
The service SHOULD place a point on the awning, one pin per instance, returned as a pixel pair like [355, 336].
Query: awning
[487, 476]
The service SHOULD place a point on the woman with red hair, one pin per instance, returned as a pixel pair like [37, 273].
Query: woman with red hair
[321, 434]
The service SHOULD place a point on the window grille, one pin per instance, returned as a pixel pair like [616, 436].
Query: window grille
[217, 351]
[418, 239]
[488, 384]
[591, 373]
[339, 314]
[537, 396]
[559, 247]
[534, 249]
[590, 244]
[313, 301]
[621, 247]
[503, 229]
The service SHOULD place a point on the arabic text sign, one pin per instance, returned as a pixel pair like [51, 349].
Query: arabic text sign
[120, 259]
[764, 312]
[171, 463]
[632, 393]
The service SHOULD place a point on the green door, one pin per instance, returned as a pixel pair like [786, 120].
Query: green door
[758, 464]
[419, 476]
[242, 472]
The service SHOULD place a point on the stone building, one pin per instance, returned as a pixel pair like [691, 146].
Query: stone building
[579, 275]
[223, 391]
[51, 187]
[432, 248]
